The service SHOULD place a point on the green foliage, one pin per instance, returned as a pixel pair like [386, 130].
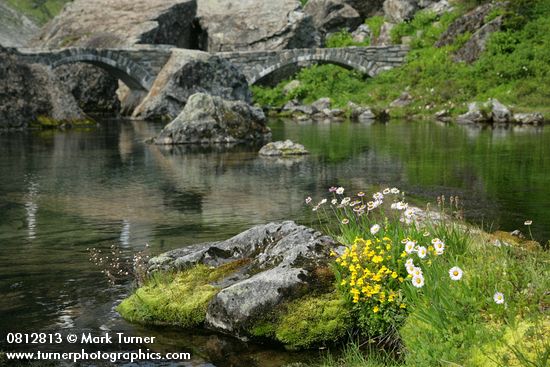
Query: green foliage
[343, 39]
[177, 299]
[375, 24]
[353, 355]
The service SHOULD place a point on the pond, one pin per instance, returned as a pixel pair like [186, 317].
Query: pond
[62, 193]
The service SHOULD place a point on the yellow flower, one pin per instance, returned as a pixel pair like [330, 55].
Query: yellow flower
[403, 254]
[343, 282]
[388, 247]
[377, 259]
[401, 279]
[332, 253]
[394, 275]
[376, 277]
[402, 305]
[375, 309]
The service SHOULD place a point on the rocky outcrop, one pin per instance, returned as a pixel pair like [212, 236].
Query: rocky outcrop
[15, 28]
[397, 11]
[236, 25]
[187, 73]
[366, 8]
[120, 23]
[31, 93]
[331, 16]
[283, 258]
[493, 111]
[384, 38]
[283, 148]
[472, 50]
[361, 34]
[208, 119]
[469, 22]
[94, 88]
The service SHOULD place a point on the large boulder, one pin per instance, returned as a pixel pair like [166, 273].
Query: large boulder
[331, 16]
[236, 25]
[94, 88]
[398, 11]
[126, 21]
[283, 258]
[31, 93]
[469, 22]
[366, 8]
[490, 111]
[15, 28]
[475, 46]
[188, 72]
[208, 119]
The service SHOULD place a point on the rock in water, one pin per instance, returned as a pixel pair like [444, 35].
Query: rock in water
[535, 118]
[283, 259]
[209, 119]
[238, 25]
[283, 148]
[30, 92]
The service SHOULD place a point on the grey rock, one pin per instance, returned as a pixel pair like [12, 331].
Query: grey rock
[282, 259]
[291, 86]
[499, 112]
[398, 11]
[186, 73]
[15, 28]
[283, 148]
[94, 88]
[477, 112]
[469, 22]
[477, 44]
[30, 91]
[331, 16]
[322, 103]
[120, 23]
[443, 115]
[535, 118]
[439, 8]
[366, 8]
[366, 115]
[209, 119]
[362, 33]
[238, 25]
[404, 99]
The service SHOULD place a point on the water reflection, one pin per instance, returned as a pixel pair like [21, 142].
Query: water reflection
[65, 192]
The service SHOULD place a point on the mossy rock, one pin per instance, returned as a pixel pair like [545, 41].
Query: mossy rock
[516, 241]
[178, 299]
[308, 321]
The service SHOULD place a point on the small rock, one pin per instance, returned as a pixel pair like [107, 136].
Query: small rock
[535, 118]
[366, 115]
[404, 100]
[500, 113]
[439, 8]
[283, 148]
[361, 34]
[321, 104]
[443, 115]
[475, 114]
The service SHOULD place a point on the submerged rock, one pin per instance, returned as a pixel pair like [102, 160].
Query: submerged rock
[31, 93]
[283, 258]
[209, 119]
[283, 148]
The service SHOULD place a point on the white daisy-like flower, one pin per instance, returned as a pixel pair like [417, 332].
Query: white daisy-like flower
[308, 200]
[386, 191]
[439, 247]
[410, 268]
[417, 271]
[418, 281]
[345, 201]
[334, 201]
[422, 252]
[394, 190]
[455, 273]
[528, 222]
[499, 298]
[323, 202]
[345, 221]
[409, 247]
[378, 196]
[401, 205]
[340, 190]
[409, 262]
[374, 229]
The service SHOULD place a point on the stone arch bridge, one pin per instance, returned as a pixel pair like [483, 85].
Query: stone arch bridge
[139, 66]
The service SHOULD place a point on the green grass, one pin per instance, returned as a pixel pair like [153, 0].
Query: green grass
[41, 11]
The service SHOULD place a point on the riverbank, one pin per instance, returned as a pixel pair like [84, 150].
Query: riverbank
[512, 68]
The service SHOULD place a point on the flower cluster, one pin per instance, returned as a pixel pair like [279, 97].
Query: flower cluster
[368, 273]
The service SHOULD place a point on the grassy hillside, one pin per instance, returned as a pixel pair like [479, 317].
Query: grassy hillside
[515, 68]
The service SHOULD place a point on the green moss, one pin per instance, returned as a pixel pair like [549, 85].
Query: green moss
[307, 321]
[178, 299]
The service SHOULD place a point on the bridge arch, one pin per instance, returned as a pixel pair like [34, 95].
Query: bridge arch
[266, 71]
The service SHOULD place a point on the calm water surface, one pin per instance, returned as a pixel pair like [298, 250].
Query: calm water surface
[64, 192]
